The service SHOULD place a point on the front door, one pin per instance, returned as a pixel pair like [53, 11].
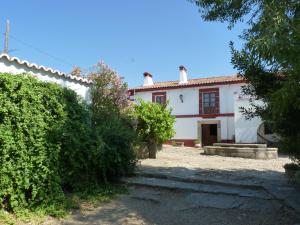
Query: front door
[209, 134]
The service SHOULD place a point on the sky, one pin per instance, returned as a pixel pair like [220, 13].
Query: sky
[130, 36]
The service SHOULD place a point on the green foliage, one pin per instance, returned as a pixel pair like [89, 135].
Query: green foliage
[95, 194]
[30, 118]
[269, 60]
[108, 93]
[89, 197]
[113, 154]
[76, 140]
[154, 121]
[51, 142]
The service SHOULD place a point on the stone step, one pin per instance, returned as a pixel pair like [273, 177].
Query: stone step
[240, 145]
[201, 180]
[196, 187]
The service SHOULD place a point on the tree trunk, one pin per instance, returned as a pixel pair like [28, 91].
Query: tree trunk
[152, 146]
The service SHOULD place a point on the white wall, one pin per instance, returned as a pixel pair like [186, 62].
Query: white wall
[245, 130]
[187, 128]
[190, 104]
[82, 89]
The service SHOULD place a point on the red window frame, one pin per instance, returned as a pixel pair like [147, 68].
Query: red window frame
[163, 94]
[216, 109]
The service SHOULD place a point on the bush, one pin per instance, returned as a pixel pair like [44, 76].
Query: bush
[154, 121]
[113, 155]
[31, 115]
[51, 140]
[76, 140]
[155, 124]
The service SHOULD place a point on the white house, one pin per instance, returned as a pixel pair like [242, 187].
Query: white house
[206, 109]
[14, 65]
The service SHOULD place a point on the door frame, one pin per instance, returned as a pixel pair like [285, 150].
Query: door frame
[217, 122]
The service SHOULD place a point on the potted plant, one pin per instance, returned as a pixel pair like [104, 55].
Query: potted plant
[291, 169]
[197, 144]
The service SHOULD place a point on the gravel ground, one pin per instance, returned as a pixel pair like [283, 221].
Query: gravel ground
[192, 162]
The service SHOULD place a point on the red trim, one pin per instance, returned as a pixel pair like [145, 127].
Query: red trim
[187, 86]
[187, 142]
[159, 94]
[217, 107]
[206, 116]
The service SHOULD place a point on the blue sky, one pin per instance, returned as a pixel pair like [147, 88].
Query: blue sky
[131, 36]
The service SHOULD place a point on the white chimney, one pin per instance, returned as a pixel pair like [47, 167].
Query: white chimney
[183, 75]
[148, 81]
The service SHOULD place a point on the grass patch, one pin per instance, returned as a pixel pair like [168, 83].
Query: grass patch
[84, 198]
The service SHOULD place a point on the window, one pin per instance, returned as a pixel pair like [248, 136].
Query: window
[209, 103]
[159, 97]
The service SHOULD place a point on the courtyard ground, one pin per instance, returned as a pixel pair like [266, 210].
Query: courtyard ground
[183, 186]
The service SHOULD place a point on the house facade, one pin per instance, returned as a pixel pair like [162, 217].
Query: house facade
[16, 66]
[206, 109]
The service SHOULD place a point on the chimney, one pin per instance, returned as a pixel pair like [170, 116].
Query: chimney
[148, 81]
[183, 75]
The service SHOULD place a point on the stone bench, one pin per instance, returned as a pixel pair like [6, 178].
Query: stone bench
[240, 145]
[243, 152]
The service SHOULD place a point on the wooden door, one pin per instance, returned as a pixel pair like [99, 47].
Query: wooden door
[209, 134]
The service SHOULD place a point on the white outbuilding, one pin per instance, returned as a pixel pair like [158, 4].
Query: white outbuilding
[16, 66]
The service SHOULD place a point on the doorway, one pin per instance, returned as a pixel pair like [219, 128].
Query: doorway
[209, 134]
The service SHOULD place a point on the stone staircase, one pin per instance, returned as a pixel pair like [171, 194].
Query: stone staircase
[252, 151]
[222, 194]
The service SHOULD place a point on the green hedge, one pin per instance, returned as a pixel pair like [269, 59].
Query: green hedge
[49, 144]
[31, 115]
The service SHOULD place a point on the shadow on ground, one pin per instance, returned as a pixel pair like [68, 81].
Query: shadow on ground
[148, 205]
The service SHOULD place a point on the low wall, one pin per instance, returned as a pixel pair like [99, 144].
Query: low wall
[243, 152]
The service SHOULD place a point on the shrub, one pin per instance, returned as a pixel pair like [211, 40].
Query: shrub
[31, 115]
[113, 155]
[154, 121]
[51, 140]
[76, 140]
[155, 124]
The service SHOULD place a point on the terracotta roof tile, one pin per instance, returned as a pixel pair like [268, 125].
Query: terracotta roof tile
[191, 83]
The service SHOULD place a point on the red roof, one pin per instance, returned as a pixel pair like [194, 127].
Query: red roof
[191, 83]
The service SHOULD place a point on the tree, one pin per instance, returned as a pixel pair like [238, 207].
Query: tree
[269, 59]
[113, 154]
[108, 92]
[155, 124]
